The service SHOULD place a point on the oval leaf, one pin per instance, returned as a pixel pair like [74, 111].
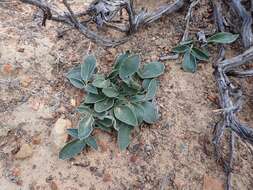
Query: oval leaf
[73, 132]
[88, 67]
[91, 89]
[85, 127]
[126, 115]
[189, 63]
[71, 149]
[145, 83]
[75, 78]
[151, 70]
[93, 98]
[101, 83]
[139, 112]
[91, 141]
[110, 92]
[129, 67]
[104, 105]
[180, 48]
[199, 54]
[151, 91]
[223, 38]
[120, 59]
[124, 136]
[150, 112]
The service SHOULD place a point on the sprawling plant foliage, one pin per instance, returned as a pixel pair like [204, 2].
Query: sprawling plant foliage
[194, 52]
[120, 101]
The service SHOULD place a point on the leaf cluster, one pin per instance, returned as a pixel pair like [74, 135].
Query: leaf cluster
[193, 54]
[120, 101]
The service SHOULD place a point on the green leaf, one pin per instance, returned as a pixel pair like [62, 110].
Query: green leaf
[101, 83]
[120, 59]
[75, 78]
[71, 149]
[126, 115]
[104, 105]
[139, 112]
[222, 38]
[145, 83]
[73, 132]
[93, 98]
[88, 67]
[137, 98]
[199, 54]
[106, 129]
[151, 91]
[91, 89]
[84, 109]
[181, 48]
[189, 63]
[91, 141]
[151, 70]
[85, 127]
[150, 112]
[110, 92]
[186, 42]
[106, 122]
[129, 67]
[124, 136]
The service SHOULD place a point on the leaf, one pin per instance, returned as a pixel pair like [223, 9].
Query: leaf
[139, 112]
[71, 149]
[85, 127]
[189, 63]
[84, 109]
[120, 59]
[124, 136]
[88, 67]
[104, 105]
[93, 98]
[199, 54]
[150, 112]
[223, 38]
[91, 141]
[75, 78]
[180, 48]
[126, 115]
[73, 132]
[106, 122]
[101, 83]
[91, 89]
[145, 83]
[110, 92]
[151, 91]
[186, 42]
[129, 66]
[137, 98]
[151, 70]
[106, 129]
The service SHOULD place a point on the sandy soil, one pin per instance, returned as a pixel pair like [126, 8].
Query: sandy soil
[176, 153]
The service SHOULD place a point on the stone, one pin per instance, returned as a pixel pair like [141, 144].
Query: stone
[59, 133]
[26, 81]
[211, 183]
[24, 152]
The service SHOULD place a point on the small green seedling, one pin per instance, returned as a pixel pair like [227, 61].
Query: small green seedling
[193, 54]
[120, 101]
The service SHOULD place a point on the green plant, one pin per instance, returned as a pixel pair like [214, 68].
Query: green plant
[120, 101]
[193, 54]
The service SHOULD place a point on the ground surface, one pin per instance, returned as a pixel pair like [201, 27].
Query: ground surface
[176, 153]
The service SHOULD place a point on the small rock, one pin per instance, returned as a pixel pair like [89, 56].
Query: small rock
[211, 183]
[133, 158]
[7, 69]
[26, 81]
[59, 133]
[73, 102]
[21, 50]
[36, 139]
[24, 152]
[107, 177]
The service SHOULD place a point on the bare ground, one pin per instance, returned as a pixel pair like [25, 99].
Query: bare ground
[176, 153]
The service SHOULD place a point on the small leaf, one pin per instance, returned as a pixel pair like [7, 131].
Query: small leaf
[189, 63]
[180, 48]
[223, 38]
[91, 89]
[137, 98]
[93, 98]
[84, 109]
[124, 136]
[88, 67]
[151, 70]
[129, 66]
[145, 83]
[91, 141]
[120, 59]
[101, 83]
[106, 122]
[125, 115]
[104, 105]
[110, 92]
[71, 149]
[150, 112]
[73, 132]
[75, 78]
[106, 129]
[139, 112]
[186, 42]
[199, 54]
[151, 91]
[85, 127]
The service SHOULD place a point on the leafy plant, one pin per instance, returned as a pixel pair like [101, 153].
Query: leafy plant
[193, 54]
[120, 101]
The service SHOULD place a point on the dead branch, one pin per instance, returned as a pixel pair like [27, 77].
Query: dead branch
[103, 13]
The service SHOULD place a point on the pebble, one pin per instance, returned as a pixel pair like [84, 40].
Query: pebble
[24, 152]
